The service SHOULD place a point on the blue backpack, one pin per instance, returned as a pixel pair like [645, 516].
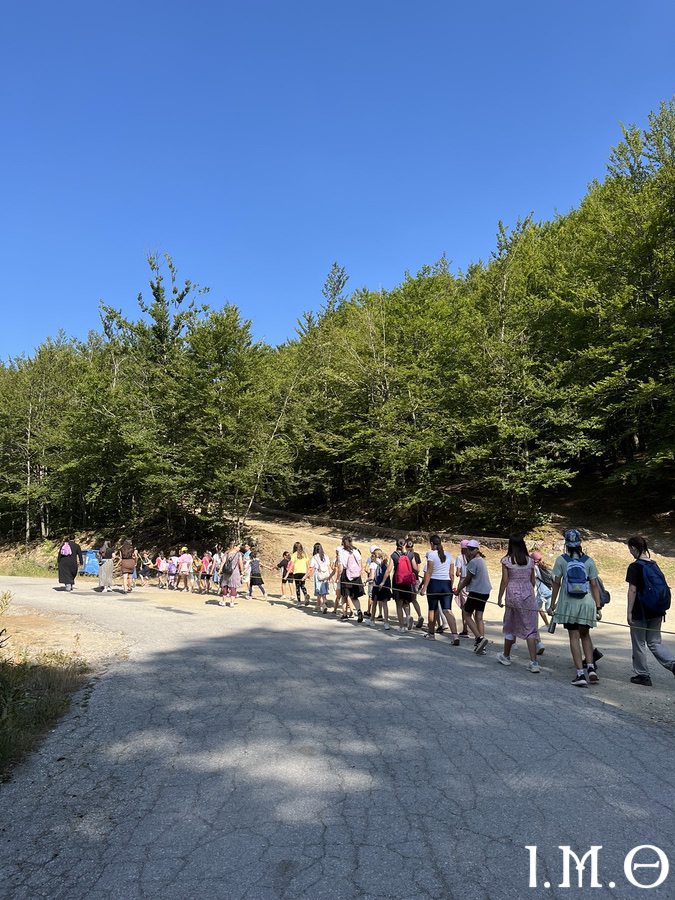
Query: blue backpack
[654, 594]
[576, 579]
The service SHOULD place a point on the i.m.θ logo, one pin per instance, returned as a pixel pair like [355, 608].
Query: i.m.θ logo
[644, 867]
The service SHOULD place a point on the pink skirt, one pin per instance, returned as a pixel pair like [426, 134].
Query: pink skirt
[522, 623]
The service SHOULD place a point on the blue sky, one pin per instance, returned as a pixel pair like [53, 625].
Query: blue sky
[259, 141]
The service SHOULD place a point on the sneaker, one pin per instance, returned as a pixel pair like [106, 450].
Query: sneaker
[540, 649]
[367, 615]
[387, 626]
[504, 660]
[592, 675]
[402, 630]
[297, 603]
[580, 681]
[429, 637]
[370, 623]
[359, 617]
[440, 629]
[464, 634]
[456, 642]
[306, 602]
[344, 617]
[231, 604]
[324, 610]
[419, 622]
[481, 645]
[409, 623]
[644, 680]
[481, 652]
[597, 655]
[350, 614]
[221, 603]
[534, 667]
[379, 618]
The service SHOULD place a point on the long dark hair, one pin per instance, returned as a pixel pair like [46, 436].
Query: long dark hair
[437, 545]
[318, 549]
[639, 543]
[400, 545]
[127, 550]
[347, 543]
[297, 549]
[517, 551]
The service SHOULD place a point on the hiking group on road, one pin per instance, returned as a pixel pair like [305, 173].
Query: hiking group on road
[570, 594]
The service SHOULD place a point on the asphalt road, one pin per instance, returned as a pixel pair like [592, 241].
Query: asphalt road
[265, 752]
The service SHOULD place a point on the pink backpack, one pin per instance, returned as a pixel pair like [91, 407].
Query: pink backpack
[66, 549]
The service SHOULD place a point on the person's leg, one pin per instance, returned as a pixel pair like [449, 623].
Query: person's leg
[472, 625]
[431, 623]
[399, 613]
[508, 645]
[586, 643]
[575, 648]
[479, 622]
[653, 639]
[532, 648]
[465, 627]
[449, 617]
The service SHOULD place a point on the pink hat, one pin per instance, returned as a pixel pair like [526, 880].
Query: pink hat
[464, 544]
[473, 544]
[535, 555]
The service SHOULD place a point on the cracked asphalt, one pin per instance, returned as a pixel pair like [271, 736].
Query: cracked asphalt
[264, 752]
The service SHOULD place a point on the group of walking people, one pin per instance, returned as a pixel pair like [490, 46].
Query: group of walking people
[570, 594]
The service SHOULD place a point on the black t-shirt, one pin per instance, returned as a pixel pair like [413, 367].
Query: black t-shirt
[635, 577]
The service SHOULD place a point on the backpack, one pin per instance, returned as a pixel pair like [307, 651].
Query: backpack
[379, 573]
[66, 549]
[405, 575]
[576, 578]
[353, 567]
[655, 593]
[605, 595]
[228, 566]
[545, 576]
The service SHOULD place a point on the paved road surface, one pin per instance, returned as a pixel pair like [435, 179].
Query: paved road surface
[263, 752]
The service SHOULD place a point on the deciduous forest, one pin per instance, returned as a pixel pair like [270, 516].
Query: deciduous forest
[467, 397]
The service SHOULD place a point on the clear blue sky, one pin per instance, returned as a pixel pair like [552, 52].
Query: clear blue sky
[260, 140]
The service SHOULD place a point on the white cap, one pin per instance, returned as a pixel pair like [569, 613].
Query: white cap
[473, 544]
[373, 548]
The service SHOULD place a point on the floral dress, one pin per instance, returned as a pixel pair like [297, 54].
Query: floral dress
[521, 616]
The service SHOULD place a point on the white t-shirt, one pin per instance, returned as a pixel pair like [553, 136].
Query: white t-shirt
[460, 566]
[439, 569]
[372, 569]
[350, 562]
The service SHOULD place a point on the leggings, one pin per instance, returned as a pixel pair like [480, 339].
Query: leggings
[300, 584]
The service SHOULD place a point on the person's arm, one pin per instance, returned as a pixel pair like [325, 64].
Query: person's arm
[451, 574]
[502, 585]
[555, 590]
[464, 582]
[389, 572]
[595, 591]
[632, 596]
[427, 576]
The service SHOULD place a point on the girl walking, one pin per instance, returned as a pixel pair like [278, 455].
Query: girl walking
[575, 604]
[321, 569]
[402, 570]
[299, 565]
[255, 575]
[105, 567]
[477, 582]
[128, 557]
[437, 584]
[282, 566]
[231, 571]
[351, 583]
[648, 596]
[381, 591]
[521, 616]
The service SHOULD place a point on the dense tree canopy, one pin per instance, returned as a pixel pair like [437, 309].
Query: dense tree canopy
[455, 397]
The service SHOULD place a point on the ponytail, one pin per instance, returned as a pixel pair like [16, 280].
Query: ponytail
[639, 543]
[437, 545]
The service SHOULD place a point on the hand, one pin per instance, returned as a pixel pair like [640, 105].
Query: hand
[629, 619]
[598, 614]
[500, 602]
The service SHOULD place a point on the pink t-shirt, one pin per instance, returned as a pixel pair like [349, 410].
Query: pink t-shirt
[206, 564]
[185, 563]
[161, 564]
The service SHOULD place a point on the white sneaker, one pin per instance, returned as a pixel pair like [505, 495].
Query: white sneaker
[221, 603]
[402, 630]
[534, 667]
[371, 624]
[231, 604]
[409, 623]
[387, 626]
[504, 660]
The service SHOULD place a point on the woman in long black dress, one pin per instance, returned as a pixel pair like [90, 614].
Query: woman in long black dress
[69, 561]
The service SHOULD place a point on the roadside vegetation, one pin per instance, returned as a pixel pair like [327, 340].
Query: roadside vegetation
[35, 691]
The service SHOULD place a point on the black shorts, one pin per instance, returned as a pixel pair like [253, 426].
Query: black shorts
[574, 626]
[257, 580]
[405, 594]
[381, 594]
[351, 588]
[475, 602]
[206, 576]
